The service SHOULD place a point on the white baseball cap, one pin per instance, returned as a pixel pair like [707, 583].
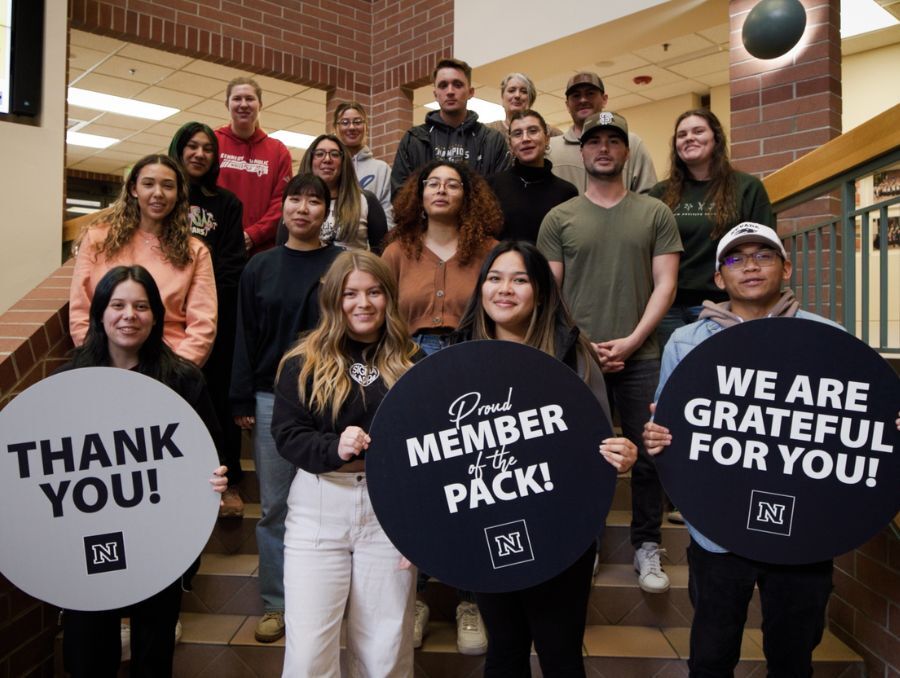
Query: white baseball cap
[748, 231]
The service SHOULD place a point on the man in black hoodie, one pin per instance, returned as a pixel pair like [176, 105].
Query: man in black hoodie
[452, 132]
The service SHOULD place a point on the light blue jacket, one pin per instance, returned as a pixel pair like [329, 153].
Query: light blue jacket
[682, 342]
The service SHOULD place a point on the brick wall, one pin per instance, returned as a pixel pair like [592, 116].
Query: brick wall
[374, 52]
[34, 339]
[864, 610]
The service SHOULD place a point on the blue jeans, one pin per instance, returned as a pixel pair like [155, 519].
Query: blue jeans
[430, 343]
[675, 317]
[793, 600]
[630, 393]
[275, 476]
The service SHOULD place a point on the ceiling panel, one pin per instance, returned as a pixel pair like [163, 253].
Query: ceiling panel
[714, 63]
[169, 97]
[660, 77]
[211, 70]
[674, 47]
[105, 84]
[94, 41]
[154, 56]
[84, 58]
[189, 83]
[674, 89]
[130, 69]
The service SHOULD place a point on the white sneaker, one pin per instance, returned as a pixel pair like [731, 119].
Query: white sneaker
[125, 633]
[470, 636]
[421, 623]
[651, 577]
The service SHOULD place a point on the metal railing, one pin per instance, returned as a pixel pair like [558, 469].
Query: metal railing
[844, 268]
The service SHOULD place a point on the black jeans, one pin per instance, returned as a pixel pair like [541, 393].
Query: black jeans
[552, 614]
[92, 646]
[630, 393]
[793, 599]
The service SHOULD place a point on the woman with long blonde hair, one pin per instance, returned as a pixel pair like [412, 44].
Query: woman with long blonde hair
[336, 555]
[149, 225]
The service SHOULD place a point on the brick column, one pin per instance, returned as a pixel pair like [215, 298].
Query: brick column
[408, 38]
[783, 108]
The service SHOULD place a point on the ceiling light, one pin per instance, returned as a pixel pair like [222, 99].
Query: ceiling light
[89, 140]
[293, 139]
[82, 210]
[121, 105]
[487, 111]
[863, 16]
[83, 203]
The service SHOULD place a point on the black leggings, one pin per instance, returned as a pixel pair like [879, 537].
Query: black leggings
[551, 614]
[92, 646]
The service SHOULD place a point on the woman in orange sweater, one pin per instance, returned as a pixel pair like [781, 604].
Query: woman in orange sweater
[149, 225]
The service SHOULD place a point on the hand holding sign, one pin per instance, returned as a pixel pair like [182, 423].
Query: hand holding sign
[116, 490]
[781, 443]
[500, 461]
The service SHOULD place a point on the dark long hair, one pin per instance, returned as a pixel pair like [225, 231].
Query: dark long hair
[155, 359]
[180, 141]
[479, 217]
[549, 313]
[722, 189]
[348, 203]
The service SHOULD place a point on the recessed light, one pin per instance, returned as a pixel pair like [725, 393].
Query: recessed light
[487, 111]
[89, 140]
[293, 139]
[113, 104]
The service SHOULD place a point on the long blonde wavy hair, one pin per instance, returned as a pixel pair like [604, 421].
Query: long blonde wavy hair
[124, 217]
[324, 383]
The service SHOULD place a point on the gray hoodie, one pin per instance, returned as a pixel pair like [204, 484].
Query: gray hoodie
[375, 175]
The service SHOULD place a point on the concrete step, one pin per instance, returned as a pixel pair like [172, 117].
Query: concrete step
[222, 646]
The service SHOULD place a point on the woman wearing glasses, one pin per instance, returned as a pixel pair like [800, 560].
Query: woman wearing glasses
[350, 124]
[355, 219]
[446, 220]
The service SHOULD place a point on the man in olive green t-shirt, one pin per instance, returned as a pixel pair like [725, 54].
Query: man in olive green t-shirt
[615, 256]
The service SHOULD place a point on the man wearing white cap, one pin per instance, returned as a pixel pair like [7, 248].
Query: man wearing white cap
[586, 96]
[751, 265]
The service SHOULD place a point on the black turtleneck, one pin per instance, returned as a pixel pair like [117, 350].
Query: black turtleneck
[526, 194]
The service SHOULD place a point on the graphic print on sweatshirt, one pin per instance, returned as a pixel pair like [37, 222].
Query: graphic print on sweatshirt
[202, 221]
[255, 166]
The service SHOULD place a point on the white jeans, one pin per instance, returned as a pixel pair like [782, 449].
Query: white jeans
[336, 555]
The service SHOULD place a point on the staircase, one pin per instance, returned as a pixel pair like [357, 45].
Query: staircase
[630, 634]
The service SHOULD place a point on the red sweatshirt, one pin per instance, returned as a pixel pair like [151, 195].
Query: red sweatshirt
[256, 170]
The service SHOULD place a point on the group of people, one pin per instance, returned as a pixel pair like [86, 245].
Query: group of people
[215, 257]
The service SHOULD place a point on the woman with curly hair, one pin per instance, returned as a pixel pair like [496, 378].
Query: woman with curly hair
[708, 197]
[446, 217]
[336, 555]
[149, 225]
[355, 219]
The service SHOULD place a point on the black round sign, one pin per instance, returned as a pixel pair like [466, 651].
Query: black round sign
[484, 467]
[784, 447]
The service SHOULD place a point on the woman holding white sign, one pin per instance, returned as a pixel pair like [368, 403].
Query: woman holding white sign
[516, 299]
[125, 330]
[336, 554]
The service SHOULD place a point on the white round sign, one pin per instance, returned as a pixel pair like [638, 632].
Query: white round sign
[104, 488]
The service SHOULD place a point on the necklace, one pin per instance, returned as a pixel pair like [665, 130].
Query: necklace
[364, 375]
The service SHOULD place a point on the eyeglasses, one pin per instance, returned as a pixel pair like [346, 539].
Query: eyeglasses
[452, 185]
[334, 154]
[531, 131]
[762, 258]
[355, 122]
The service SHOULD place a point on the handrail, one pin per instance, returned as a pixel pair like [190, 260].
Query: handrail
[864, 143]
[72, 227]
